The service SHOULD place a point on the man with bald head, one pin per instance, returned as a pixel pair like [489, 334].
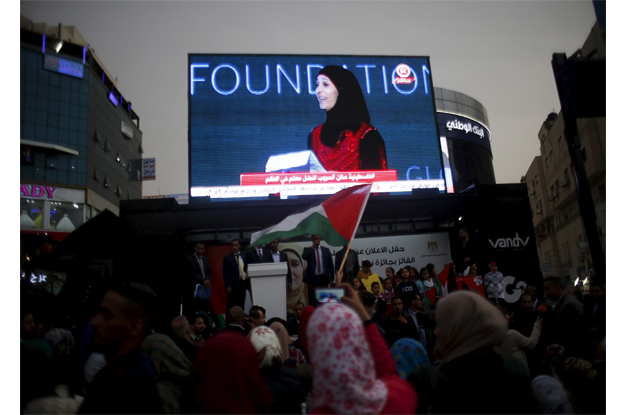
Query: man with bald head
[236, 320]
[182, 336]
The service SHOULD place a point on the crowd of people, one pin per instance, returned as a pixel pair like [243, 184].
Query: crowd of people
[400, 345]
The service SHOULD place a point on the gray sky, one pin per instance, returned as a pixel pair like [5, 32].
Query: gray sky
[498, 52]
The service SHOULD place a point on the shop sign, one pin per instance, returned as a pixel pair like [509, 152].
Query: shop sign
[47, 192]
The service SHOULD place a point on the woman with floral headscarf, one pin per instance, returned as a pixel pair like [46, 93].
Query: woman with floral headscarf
[346, 141]
[353, 370]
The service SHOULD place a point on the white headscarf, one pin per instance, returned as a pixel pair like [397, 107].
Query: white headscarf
[264, 338]
[343, 369]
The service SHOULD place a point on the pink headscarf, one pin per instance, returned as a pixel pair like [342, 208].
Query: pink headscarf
[343, 368]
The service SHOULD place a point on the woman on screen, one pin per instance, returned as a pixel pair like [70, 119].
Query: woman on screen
[346, 141]
[299, 290]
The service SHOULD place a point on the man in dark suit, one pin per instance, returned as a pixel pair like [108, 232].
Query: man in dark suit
[236, 321]
[256, 255]
[197, 272]
[273, 255]
[319, 267]
[235, 275]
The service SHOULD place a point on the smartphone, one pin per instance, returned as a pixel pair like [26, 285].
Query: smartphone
[329, 295]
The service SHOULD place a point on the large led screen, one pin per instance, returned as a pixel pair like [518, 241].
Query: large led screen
[258, 127]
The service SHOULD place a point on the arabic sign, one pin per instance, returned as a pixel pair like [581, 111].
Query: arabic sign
[250, 179]
[462, 128]
[399, 251]
[149, 169]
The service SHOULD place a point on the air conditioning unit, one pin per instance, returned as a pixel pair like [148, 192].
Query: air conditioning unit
[565, 181]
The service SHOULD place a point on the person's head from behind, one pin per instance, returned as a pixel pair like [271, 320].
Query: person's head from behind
[344, 374]
[236, 315]
[424, 274]
[367, 299]
[467, 323]
[526, 302]
[126, 314]
[233, 377]
[554, 289]
[257, 314]
[366, 266]
[413, 365]
[397, 305]
[267, 346]
[180, 327]
[375, 289]
[381, 306]
[390, 272]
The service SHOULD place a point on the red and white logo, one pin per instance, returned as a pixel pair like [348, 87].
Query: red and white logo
[403, 72]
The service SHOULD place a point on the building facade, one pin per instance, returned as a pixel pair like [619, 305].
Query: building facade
[560, 237]
[465, 140]
[80, 141]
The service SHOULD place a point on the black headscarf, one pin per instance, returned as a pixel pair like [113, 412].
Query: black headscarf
[350, 110]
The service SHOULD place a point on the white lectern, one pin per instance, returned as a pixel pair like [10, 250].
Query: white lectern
[268, 283]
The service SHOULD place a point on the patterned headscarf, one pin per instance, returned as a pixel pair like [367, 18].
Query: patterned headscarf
[172, 369]
[554, 356]
[467, 322]
[264, 338]
[551, 395]
[61, 340]
[344, 376]
[410, 357]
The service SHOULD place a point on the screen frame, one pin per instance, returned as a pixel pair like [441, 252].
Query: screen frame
[260, 55]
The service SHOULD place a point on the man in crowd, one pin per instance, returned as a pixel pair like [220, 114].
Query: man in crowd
[258, 255]
[567, 325]
[524, 317]
[319, 268]
[197, 331]
[351, 267]
[197, 272]
[127, 384]
[533, 292]
[182, 336]
[595, 309]
[493, 281]
[235, 275]
[258, 314]
[273, 255]
[236, 321]
[469, 253]
[401, 321]
[293, 323]
[423, 320]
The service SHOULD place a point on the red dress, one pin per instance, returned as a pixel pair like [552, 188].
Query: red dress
[360, 150]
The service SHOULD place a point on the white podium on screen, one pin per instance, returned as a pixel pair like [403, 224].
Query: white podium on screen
[268, 283]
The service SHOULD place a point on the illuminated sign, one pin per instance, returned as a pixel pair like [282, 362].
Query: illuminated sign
[246, 110]
[113, 98]
[60, 65]
[463, 128]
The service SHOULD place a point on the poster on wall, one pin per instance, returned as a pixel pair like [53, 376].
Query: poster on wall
[383, 252]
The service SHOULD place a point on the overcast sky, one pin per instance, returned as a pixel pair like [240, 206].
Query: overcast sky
[498, 52]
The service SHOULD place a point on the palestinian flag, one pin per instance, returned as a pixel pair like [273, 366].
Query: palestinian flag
[443, 276]
[335, 220]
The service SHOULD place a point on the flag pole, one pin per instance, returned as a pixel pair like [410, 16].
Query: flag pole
[340, 272]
